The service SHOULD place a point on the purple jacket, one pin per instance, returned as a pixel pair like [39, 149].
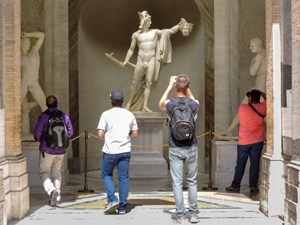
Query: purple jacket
[40, 129]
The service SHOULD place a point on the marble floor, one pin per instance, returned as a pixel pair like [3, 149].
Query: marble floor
[150, 202]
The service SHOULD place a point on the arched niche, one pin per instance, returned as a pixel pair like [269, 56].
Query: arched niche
[107, 27]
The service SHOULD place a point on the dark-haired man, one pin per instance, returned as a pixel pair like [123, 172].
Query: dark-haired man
[116, 125]
[182, 152]
[51, 159]
[251, 140]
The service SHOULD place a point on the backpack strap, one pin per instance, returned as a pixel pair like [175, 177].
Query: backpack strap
[52, 114]
[254, 109]
[180, 101]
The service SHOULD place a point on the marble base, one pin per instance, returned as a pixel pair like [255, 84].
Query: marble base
[274, 186]
[16, 188]
[30, 150]
[223, 163]
[148, 161]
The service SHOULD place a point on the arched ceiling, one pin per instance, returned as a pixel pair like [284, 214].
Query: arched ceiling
[111, 23]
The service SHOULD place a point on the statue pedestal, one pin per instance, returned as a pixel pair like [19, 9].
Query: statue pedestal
[30, 150]
[223, 163]
[148, 161]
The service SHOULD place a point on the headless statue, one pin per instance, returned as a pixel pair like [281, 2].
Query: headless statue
[257, 69]
[30, 66]
[154, 50]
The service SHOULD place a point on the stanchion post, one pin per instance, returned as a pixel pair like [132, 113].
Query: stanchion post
[86, 139]
[209, 186]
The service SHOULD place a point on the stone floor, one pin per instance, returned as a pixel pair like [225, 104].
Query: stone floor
[150, 202]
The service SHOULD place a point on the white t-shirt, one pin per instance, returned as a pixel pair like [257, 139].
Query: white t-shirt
[117, 124]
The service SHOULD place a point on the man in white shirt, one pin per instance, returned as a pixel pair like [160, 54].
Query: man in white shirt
[117, 126]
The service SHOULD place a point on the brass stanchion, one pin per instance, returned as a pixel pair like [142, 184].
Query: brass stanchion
[85, 188]
[209, 186]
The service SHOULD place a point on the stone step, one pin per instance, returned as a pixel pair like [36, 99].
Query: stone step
[147, 169]
[146, 154]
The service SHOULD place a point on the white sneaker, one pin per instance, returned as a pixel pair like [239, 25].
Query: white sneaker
[194, 219]
[111, 207]
[179, 220]
[121, 212]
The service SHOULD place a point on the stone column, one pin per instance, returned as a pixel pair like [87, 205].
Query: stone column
[2, 124]
[226, 62]
[272, 170]
[14, 177]
[57, 51]
[75, 8]
[57, 56]
[292, 207]
[296, 75]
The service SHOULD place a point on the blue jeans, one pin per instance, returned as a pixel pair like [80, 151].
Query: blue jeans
[253, 151]
[109, 162]
[179, 157]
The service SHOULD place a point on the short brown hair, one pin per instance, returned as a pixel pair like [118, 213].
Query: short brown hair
[182, 82]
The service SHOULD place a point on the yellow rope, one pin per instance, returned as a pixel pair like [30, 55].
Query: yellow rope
[201, 135]
[73, 139]
[223, 137]
[147, 146]
[158, 146]
[96, 136]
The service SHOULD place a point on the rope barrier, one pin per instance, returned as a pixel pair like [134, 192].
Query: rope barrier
[96, 136]
[219, 136]
[87, 136]
[225, 138]
[165, 145]
[148, 146]
[73, 139]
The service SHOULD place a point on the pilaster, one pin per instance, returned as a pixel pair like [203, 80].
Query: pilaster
[272, 170]
[292, 207]
[57, 51]
[14, 192]
[226, 68]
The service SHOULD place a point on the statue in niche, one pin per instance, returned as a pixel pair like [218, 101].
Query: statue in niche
[30, 66]
[257, 69]
[154, 51]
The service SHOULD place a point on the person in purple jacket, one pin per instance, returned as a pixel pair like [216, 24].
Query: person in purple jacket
[51, 159]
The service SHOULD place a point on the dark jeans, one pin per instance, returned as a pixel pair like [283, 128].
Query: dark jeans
[243, 152]
[109, 162]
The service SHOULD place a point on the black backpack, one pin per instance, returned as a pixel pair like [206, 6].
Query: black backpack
[182, 120]
[56, 134]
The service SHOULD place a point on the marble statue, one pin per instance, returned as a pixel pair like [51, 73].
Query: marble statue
[30, 66]
[26, 107]
[257, 69]
[154, 51]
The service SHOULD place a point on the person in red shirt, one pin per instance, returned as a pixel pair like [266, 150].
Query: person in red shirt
[251, 140]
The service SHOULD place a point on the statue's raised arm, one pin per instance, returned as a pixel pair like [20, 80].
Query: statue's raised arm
[30, 67]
